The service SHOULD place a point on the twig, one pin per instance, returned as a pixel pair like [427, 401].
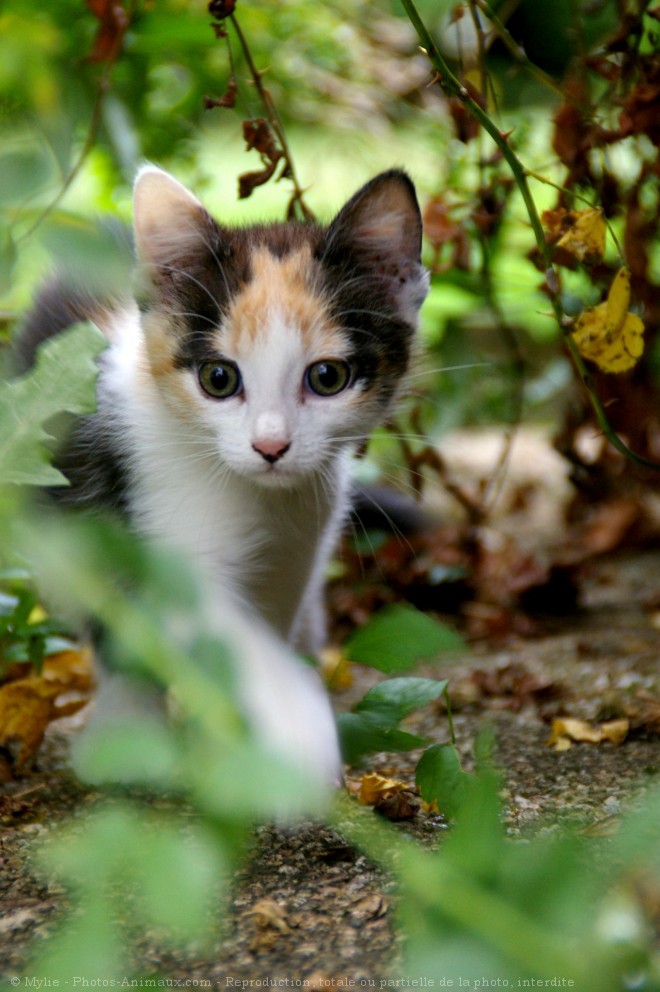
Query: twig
[431, 458]
[102, 87]
[454, 87]
[72, 174]
[275, 122]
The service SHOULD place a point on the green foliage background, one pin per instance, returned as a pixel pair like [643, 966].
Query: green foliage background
[350, 87]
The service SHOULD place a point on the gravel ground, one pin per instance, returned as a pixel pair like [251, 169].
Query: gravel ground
[306, 904]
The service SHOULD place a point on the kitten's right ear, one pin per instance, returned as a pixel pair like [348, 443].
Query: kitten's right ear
[379, 232]
[169, 221]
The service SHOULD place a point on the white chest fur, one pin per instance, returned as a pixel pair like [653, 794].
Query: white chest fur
[266, 547]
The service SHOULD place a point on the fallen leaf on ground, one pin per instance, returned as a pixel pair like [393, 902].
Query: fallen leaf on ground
[403, 805]
[72, 669]
[644, 713]
[566, 729]
[608, 334]
[514, 686]
[269, 914]
[368, 908]
[28, 705]
[374, 787]
[335, 669]
[392, 799]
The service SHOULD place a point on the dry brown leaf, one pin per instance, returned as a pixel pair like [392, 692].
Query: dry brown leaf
[29, 705]
[644, 713]
[374, 787]
[368, 908]
[268, 914]
[72, 669]
[574, 730]
[392, 799]
[401, 805]
[513, 686]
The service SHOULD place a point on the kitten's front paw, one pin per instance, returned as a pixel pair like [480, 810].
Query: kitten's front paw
[290, 711]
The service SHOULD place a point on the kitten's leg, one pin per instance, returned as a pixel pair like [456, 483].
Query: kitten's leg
[309, 634]
[284, 699]
[121, 702]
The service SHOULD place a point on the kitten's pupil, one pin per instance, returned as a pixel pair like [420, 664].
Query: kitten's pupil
[327, 375]
[219, 378]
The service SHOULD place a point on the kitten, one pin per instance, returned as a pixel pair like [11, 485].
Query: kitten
[235, 388]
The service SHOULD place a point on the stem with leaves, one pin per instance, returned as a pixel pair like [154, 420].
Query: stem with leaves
[297, 200]
[453, 86]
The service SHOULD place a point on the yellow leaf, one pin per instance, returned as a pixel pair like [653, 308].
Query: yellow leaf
[566, 729]
[574, 730]
[615, 731]
[618, 300]
[73, 669]
[374, 787]
[335, 669]
[585, 237]
[26, 708]
[608, 334]
[28, 705]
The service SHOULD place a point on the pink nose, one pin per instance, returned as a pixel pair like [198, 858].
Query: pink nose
[271, 451]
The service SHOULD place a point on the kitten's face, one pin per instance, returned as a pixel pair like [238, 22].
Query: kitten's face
[279, 345]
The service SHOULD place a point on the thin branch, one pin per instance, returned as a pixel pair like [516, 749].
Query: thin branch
[454, 87]
[274, 120]
[74, 171]
[102, 87]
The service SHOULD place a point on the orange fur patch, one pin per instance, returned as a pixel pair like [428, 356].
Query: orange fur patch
[161, 344]
[161, 341]
[285, 286]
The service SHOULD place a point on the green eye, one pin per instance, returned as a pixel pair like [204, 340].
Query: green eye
[220, 379]
[327, 378]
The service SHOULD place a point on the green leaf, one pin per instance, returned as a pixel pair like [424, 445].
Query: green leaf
[171, 869]
[439, 777]
[364, 733]
[372, 726]
[394, 699]
[246, 784]
[23, 171]
[177, 875]
[133, 752]
[63, 379]
[399, 636]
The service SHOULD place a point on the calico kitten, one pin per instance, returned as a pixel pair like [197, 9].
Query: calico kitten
[235, 388]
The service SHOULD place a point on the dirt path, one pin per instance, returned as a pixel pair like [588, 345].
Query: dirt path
[307, 904]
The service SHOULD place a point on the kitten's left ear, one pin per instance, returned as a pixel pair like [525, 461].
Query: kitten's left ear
[169, 221]
[379, 231]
